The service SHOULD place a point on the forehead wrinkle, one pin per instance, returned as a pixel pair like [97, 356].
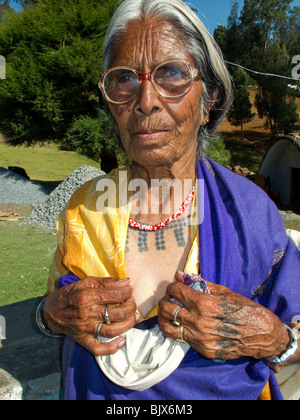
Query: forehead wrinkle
[145, 45]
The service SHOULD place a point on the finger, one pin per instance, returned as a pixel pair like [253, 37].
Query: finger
[103, 296]
[184, 294]
[97, 348]
[102, 282]
[179, 276]
[217, 289]
[167, 311]
[121, 312]
[170, 331]
[115, 296]
[115, 329]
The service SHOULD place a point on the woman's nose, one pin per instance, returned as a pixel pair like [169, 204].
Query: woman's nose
[148, 100]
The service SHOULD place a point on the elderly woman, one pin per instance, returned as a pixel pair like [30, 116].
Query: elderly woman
[192, 301]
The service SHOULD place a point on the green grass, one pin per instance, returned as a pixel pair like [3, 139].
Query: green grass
[43, 163]
[292, 224]
[246, 155]
[26, 253]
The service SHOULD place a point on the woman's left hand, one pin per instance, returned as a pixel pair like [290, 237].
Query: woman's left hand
[223, 325]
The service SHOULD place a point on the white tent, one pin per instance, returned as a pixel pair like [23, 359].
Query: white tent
[282, 165]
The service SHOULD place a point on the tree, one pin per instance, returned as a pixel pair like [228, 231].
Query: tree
[4, 9]
[53, 55]
[92, 137]
[264, 37]
[269, 15]
[274, 101]
[241, 110]
[290, 33]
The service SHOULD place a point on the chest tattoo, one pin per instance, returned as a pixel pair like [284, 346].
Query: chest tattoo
[178, 228]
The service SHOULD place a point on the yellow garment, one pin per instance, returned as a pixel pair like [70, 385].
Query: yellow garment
[92, 232]
[91, 242]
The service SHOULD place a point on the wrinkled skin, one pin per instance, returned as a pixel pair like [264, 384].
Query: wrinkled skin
[223, 325]
[77, 310]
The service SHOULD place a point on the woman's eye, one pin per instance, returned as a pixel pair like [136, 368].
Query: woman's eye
[125, 78]
[170, 73]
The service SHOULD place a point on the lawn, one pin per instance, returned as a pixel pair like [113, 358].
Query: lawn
[26, 253]
[43, 163]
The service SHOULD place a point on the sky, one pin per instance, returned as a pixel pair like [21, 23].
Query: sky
[214, 12]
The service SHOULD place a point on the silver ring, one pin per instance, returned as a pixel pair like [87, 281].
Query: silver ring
[106, 316]
[98, 330]
[180, 336]
[175, 323]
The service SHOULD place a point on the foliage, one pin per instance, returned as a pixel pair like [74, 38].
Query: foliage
[264, 36]
[53, 56]
[218, 151]
[91, 136]
[240, 112]
[274, 100]
[4, 9]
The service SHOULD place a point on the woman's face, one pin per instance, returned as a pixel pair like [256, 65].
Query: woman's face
[155, 130]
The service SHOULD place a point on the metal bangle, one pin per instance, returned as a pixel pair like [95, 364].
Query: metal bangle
[40, 323]
[290, 350]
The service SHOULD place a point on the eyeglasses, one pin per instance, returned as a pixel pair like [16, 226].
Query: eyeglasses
[171, 79]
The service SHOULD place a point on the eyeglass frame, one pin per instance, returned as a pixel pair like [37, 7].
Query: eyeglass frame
[149, 76]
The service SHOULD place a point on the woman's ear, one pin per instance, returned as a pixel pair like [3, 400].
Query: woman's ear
[211, 104]
[213, 99]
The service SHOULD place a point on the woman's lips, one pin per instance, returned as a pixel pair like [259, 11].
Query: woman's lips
[149, 134]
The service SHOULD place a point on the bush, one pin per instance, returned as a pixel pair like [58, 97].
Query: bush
[92, 137]
[218, 151]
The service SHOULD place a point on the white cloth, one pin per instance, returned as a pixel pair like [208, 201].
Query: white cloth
[295, 236]
[289, 382]
[146, 359]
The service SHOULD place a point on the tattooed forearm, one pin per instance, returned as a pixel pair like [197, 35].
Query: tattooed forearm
[225, 330]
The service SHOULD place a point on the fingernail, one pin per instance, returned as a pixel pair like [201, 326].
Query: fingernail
[124, 280]
[180, 272]
[137, 316]
[121, 344]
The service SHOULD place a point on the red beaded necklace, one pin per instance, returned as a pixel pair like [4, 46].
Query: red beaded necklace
[170, 219]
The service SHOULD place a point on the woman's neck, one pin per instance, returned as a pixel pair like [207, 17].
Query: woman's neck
[180, 170]
[165, 189]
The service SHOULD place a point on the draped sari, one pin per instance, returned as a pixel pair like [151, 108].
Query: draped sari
[242, 245]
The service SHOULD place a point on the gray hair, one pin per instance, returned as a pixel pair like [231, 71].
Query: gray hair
[200, 45]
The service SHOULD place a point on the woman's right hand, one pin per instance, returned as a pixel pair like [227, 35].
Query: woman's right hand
[77, 310]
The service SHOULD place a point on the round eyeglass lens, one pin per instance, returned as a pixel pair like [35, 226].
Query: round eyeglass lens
[173, 79]
[120, 85]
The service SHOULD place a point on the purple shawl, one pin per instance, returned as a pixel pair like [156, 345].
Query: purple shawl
[243, 246]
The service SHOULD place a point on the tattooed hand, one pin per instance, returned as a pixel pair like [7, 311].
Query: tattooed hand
[223, 325]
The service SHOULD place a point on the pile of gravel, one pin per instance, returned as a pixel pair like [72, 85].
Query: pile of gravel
[46, 213]
[14, 188]
[289, 216]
